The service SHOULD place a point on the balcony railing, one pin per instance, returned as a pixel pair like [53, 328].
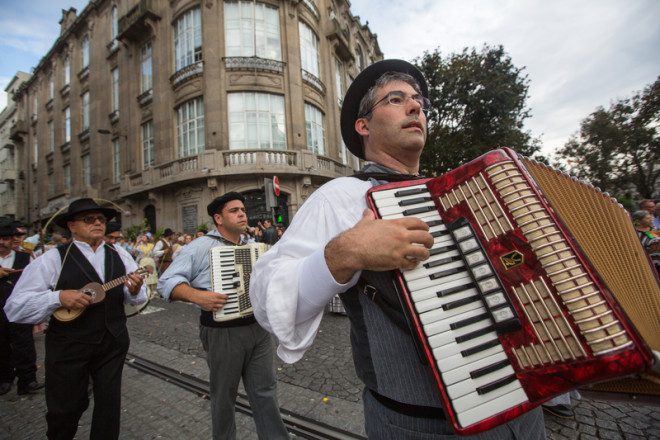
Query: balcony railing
[84, 73]
[146, 97]
[190, 71]
[113, 46]
[253, 63]
[313, 81]
[233, 162]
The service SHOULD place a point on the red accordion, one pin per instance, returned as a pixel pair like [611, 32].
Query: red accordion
[522, 299]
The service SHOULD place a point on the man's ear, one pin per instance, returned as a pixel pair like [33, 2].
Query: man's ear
[362, 126]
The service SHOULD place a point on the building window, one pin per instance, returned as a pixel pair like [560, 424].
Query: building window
[35, 148]
[51, 87]
[188, 39]
[256, 120]
[67, 124]
[148, 153]
[51, 136]
[314, 129]
[116, 161]
[51, 184]
[190, 127]
[86, 170]
[146, 81]
[84, 49]
[343, 152]
[309, 49]
[85, 111]
[115, 89]
[66, 172]
[252, 29]
[360, 57]
[35, 104]
[339, 81]
[67, 71]
[114, 23]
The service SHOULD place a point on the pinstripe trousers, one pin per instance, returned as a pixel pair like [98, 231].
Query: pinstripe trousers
[381, 423]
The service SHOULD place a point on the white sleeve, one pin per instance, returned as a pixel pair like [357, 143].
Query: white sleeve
[33, 299]
[291, 283]
[131, 266]
[158, 251]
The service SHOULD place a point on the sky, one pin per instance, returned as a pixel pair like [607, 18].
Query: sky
[578, 55]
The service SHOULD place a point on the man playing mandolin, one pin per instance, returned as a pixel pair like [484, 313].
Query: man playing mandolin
[94, 341]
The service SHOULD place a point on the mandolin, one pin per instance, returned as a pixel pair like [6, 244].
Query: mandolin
[96, 292]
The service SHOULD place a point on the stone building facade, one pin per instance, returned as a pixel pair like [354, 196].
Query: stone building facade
[12, 182]
[161, 105]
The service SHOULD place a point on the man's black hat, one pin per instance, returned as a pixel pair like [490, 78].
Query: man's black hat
[167, 232]
[111, 227]
[7, 230]
[360, 86]
[83, 205]
[219, 202]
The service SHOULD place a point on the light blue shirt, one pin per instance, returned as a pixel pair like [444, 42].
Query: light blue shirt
[192, 266]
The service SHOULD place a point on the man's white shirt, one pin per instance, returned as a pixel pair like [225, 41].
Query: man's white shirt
[291, 283]
[34, 299]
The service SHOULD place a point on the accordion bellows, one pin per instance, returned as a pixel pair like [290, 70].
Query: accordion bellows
[537, 284]
[604, 231]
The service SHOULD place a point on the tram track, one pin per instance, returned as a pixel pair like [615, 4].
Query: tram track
[297, 424]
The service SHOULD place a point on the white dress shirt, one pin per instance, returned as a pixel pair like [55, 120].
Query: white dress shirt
[158, 249]
[8, 261]
[34, 298]
[291, 283]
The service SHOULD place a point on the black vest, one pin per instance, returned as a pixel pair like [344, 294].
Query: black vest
[385, 354]
[7, 283]
[109, 314]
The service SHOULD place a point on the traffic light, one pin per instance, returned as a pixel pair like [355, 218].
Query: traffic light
[278, 215]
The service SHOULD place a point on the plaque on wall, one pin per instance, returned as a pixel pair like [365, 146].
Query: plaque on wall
[189, 218]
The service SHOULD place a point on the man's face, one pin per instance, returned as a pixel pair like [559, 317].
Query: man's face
[18, 240]
[113, 237]
[648, 206]
[396, 129]
[88, 226]
[232, 218]
[267, 223]
[6, 244]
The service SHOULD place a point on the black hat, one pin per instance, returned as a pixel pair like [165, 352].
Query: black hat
[219, 202]
[360, 86]
[83, 205]
[7, 230]
[167, 232]
[19, 229]
[111, 227]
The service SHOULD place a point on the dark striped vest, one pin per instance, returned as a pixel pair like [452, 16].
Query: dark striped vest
[109, 314]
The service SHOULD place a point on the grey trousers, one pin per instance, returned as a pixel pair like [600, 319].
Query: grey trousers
[384, 424]
[242, 352]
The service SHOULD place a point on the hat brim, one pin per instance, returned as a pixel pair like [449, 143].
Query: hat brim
[62, 219]
[359, 87]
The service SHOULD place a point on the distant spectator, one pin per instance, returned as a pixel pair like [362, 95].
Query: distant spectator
[163, 250]
[269, 232]
[656, 217]
[647, 205]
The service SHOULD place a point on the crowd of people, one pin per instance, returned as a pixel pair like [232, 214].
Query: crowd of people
[334, 246]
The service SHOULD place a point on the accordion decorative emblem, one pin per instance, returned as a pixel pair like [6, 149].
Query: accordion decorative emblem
[522, 298]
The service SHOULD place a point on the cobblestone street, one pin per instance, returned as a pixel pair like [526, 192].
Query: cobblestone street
[322, 386]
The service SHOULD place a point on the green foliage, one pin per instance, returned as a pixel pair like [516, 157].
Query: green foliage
[478, 103]
[617, 149]
[132, 232]
[203, 227]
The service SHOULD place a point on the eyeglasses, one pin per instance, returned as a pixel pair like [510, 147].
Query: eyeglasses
[399, 98]
[91, 219]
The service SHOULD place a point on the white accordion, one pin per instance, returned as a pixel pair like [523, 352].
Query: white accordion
[231, 267]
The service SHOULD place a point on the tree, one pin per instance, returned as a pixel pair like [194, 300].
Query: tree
[617, 149]
[478, 102]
